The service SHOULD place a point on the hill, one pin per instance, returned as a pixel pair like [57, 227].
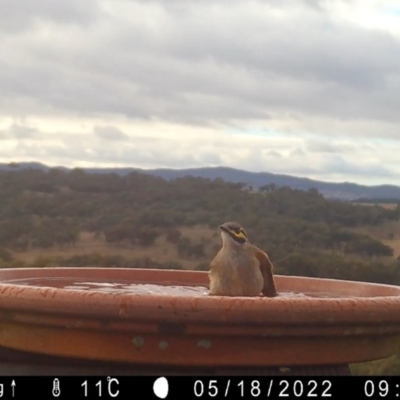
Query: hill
[340, 191]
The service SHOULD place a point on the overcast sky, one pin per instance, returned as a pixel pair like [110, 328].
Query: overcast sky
[307, 88]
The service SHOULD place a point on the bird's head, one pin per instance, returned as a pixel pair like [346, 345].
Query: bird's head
[233, 234]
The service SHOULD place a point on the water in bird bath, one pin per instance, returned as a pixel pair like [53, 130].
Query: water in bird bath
[114, 287]
[126, 287]
[139, 288]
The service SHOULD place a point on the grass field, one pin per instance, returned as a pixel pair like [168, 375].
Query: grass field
[387, 232]
[161, 251]
[164, 251]
[390, 206]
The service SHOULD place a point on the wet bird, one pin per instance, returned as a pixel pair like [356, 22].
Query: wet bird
[240, 268]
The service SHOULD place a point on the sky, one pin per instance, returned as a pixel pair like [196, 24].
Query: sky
[300, 87]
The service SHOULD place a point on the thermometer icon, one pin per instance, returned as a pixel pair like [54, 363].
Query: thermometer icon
[56, 388]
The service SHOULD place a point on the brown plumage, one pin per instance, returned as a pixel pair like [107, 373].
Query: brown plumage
[240, 268]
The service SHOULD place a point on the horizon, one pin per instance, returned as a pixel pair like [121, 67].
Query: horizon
[197, 168]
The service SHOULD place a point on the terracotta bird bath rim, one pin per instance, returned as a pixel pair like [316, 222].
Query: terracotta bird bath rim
[312, 322]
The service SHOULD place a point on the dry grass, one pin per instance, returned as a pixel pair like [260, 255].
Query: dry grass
[389, 206]
[164, 251]
[198, 232]
[161, 251]
[388, 233]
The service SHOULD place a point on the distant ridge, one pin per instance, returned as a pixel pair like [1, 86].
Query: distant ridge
[339, 191]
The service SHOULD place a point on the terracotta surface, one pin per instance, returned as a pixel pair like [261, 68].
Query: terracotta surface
[18, 363]
[359, 322]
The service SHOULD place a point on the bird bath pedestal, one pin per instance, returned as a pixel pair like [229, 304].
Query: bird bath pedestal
[102, 320]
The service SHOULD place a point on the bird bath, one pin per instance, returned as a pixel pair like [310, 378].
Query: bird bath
[166, 318]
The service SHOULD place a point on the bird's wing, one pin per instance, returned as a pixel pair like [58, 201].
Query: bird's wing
[214, 261]
[266, 268]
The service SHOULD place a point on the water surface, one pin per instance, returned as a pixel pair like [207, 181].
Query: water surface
[127, 287]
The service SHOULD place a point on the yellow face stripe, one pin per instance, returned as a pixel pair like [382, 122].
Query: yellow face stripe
[239, 235]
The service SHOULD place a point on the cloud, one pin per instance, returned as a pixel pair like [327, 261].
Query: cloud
[109, 133]
[214, 65]
[317, 80]
[19, 132]
[57, 11]
[327, 146]
[176, 147]
[341, 166]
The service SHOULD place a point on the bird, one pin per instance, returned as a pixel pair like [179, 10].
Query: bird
[240, 268]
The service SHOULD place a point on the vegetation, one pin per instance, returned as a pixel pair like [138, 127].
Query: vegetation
[387, 366]
[303, 233]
